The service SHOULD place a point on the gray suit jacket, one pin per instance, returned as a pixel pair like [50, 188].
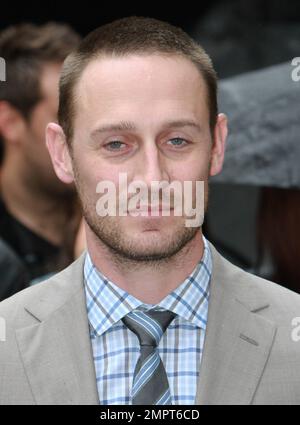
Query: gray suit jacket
[249, 354]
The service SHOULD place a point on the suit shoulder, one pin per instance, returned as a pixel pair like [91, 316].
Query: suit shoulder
[52, 292]
[283, 303]
[278, 293]
[255, 292]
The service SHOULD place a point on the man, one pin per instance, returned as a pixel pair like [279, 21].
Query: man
[37, 209]
[151, 313]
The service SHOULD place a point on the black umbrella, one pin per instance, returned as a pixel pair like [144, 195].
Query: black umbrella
[263, 146]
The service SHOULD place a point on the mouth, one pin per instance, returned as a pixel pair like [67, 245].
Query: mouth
[151, 209]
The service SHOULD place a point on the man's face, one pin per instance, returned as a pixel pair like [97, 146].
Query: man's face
[145, 116]
[40, 170]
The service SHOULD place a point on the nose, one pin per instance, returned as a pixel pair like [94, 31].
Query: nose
[151, 165]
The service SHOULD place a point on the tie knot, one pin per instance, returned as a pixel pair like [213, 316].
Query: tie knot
[148, 326]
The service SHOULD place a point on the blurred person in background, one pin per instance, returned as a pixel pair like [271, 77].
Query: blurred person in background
[39, 215]
[279, 245]
[14, 275]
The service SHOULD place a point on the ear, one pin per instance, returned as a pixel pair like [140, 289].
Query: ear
[12, 124]
[218, 149]
[59, 152]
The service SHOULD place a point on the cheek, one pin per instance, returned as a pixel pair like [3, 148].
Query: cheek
[90, 172]
[197, 169]
[196, 166]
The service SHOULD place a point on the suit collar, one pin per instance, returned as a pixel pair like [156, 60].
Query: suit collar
[56, 350]
[238, 340]
[56, 291]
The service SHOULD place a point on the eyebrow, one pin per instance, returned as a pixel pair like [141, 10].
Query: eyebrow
[130, 126]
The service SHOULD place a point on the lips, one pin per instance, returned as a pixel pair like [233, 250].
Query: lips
[151, 209]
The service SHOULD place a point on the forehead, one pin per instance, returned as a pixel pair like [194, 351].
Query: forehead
[145, 84]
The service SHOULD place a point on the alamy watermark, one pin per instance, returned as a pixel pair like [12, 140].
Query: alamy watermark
[295, 74]
[2, 69]
[185, 199]
[295, 334]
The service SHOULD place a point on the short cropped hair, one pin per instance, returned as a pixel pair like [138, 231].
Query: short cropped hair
[123, 37]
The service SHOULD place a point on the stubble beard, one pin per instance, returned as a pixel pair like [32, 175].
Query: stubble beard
[125, 250]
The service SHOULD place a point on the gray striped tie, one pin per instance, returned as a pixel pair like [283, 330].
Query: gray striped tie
[150, 381]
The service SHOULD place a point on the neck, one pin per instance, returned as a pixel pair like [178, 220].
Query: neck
[43, 214]
[148, 282]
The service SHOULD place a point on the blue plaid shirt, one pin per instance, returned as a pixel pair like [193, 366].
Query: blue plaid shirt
[116, 348]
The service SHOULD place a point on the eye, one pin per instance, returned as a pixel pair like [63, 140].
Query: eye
[115, 145]
[177, 141]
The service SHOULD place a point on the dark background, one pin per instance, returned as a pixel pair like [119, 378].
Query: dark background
[239, 35]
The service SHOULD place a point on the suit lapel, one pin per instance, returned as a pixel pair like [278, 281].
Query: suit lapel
[56, 351]
[237, 341]
[57, 355]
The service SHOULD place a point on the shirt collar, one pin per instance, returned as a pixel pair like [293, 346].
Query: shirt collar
[107, 303]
